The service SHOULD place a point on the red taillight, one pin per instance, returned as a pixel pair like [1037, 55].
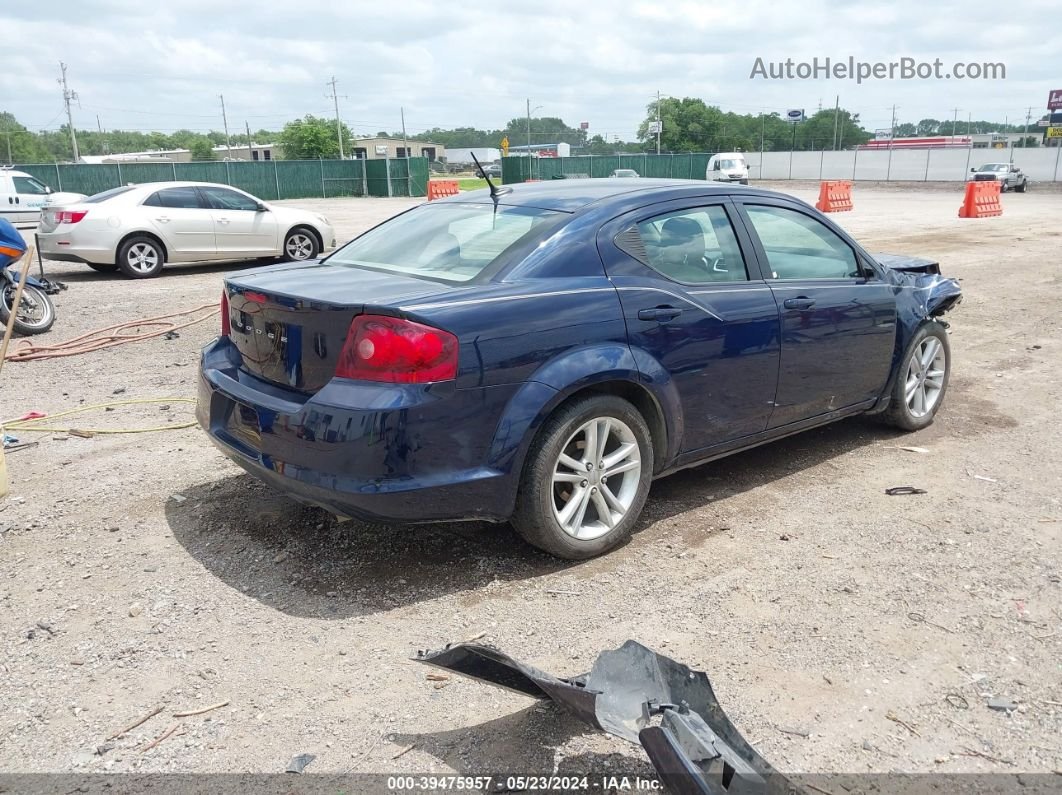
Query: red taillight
[226, 326]
[70, 216]
[380, 348]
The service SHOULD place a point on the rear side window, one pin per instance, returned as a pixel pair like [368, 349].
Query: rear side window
[799, 247]
[452, 242]
[693, 246]
[177, 198]
[107, 194]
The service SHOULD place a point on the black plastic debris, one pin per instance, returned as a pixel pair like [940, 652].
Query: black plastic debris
[299, 763]
[643, 697]
[900, 490]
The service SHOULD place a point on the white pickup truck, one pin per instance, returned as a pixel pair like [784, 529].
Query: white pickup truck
[22, 196]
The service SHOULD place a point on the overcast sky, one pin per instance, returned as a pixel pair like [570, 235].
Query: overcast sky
[160, 66]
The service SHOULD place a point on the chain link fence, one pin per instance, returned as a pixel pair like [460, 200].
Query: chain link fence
[271, 180]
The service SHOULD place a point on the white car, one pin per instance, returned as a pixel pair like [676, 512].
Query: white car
[23, 196]
[137, 229]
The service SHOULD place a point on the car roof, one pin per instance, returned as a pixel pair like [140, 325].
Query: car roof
[570, 195]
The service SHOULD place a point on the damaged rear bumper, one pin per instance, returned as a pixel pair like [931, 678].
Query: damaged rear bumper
[694, 746]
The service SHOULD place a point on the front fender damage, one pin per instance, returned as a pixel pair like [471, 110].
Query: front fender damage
[643, 697]
[935, 294]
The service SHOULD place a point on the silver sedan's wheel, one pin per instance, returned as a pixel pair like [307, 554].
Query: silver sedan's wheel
[925, 377]
[141, 258]
[922, 380]
[595, 479]
[299, 245]
[586, 478]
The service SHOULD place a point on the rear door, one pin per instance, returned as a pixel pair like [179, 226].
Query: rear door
[240, 227]
[838, 318]
[183, 221]
[695, 302]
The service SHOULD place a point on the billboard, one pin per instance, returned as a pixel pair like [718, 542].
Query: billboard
[1054, 100]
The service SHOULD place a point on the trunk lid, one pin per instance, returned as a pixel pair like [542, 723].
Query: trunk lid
[289, 322]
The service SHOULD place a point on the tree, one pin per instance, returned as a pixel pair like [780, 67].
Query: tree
[202, 149]
[311, 138]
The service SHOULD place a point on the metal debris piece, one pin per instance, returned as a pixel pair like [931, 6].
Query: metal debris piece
[299, 763]
[898, 490]
[642, 697]
[1002, 704]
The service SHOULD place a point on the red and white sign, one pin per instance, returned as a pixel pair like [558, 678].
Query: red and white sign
[1054, 100]
[584, 125]
[939, 142]
[546, 153]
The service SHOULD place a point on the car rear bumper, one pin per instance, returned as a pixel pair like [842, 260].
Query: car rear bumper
[403, 453]
[62, 247]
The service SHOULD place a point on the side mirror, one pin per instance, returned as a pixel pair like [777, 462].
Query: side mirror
[48, 190]
[972, 170]
[261, 208]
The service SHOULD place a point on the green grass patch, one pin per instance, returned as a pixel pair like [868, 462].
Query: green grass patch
[471, 184]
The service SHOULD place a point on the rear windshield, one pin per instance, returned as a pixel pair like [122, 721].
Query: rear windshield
[452, 242]
[107, 194]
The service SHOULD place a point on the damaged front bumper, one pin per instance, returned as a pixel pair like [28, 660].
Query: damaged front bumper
[694, 746]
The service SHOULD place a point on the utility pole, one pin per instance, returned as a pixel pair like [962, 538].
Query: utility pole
[836, 117]
[405, 141]
[658, 121]
[954, 121]
[1025, 134]
[530, 175]
[249, 147]
[339, 125]
[103, 140]
[225, 119]
[67, 96]
[892, 133]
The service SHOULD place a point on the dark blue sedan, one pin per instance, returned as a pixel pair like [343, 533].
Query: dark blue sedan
[540, 354]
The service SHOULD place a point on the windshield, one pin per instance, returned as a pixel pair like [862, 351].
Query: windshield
[107, 194]
[994, 167]
[731, 164]
[453, 242]
[624, 172]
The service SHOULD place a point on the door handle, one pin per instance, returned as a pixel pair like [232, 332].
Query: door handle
[223, 220]
[801, 304]
[660, 313]
[162, 219]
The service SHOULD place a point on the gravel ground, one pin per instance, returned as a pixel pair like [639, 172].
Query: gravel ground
[844, 630]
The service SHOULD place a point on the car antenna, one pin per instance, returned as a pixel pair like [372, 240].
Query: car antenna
[495, 191]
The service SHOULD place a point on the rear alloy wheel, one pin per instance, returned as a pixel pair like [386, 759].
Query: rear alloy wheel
[300, 244]
[141, 258]
[586, 479]
[922, 380]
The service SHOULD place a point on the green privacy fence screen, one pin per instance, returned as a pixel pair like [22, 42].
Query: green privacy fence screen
[686, 165]
[266, 179]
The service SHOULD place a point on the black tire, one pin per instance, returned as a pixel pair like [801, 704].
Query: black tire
[300, 244]
[35, 301]
[141, 257]
[1023, 186]
[900, 413]
[535, 516]
[103, 267]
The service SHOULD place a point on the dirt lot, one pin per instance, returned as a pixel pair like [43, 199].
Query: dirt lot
[145, 570]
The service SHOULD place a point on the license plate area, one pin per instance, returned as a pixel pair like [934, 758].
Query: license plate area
[243, 426]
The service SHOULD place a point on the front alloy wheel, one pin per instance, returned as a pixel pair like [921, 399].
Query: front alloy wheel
[922, 379]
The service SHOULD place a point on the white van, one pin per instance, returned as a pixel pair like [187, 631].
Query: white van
[22, 196]
[727, 167]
